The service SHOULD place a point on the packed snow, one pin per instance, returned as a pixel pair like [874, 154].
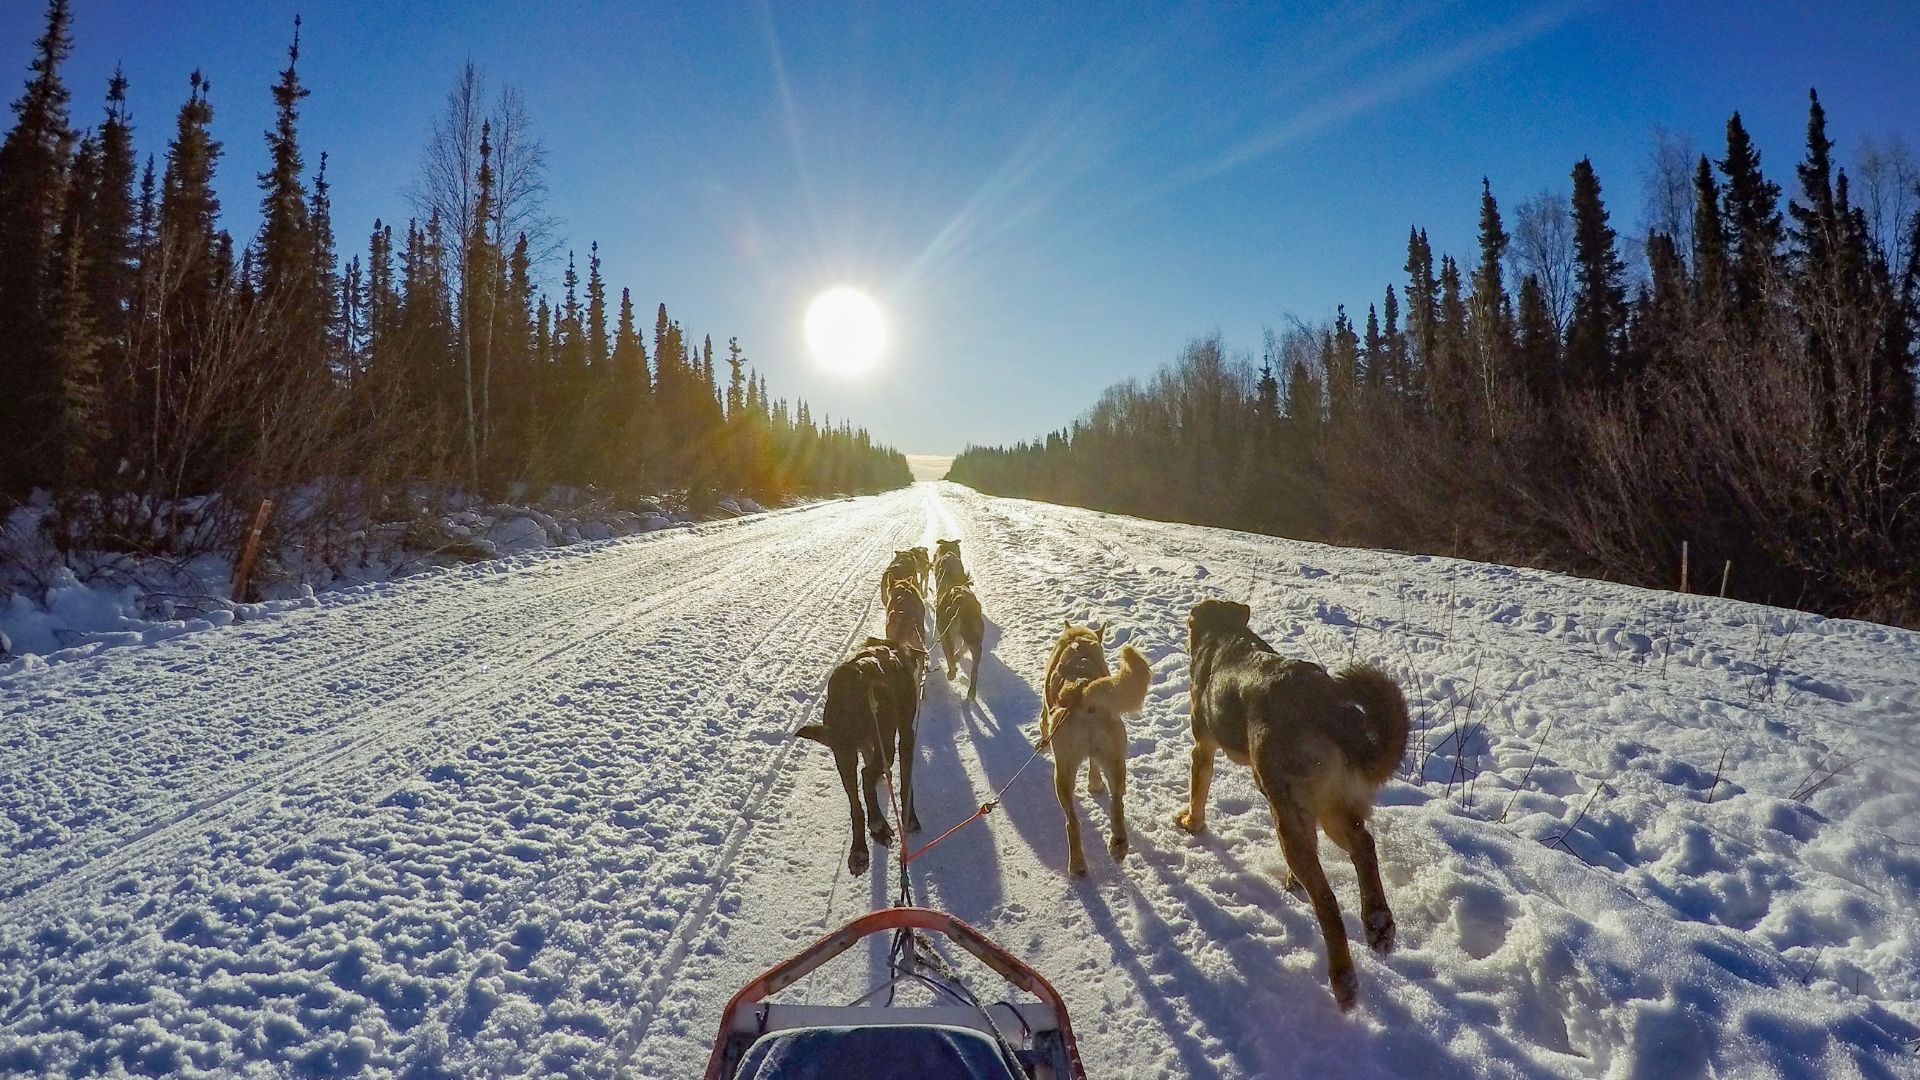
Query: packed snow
[543, 815]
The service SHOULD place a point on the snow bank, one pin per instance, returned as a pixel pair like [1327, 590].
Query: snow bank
[55, 608]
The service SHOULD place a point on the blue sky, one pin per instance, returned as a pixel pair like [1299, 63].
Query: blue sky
[1045, 199]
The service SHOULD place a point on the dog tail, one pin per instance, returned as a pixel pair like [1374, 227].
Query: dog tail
[1131, 681]
[1385, 707]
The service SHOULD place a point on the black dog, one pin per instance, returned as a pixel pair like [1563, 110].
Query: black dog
[872, 699]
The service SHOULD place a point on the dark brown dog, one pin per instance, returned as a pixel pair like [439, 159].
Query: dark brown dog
[904, 568]
[872, 699]
[1320, 746]
[948, 570]
[925, 562]
[959, 624]
[907, 616]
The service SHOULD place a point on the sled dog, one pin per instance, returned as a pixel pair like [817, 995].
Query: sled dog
[959, 624]
[903, 569]
[925, 562]
[1085, 721]
[1320, 747]
[948, 570]
[907, 616]
[872, 698]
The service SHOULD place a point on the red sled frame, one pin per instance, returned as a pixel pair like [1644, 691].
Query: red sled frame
[985, 949]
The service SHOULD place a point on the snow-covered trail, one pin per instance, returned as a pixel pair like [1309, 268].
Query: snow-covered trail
[544, 817]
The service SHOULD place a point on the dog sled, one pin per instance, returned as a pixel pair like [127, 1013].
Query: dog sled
[956, 1039]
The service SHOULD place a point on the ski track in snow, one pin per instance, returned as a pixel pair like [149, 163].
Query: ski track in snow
[544, 817]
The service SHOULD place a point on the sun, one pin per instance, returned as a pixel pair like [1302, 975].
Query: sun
[845, 329]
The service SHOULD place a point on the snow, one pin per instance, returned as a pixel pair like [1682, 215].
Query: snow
[47, 609]
[541, 815]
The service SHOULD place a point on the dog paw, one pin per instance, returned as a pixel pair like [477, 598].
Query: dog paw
[1380, 930]
[1077, 867]
[857, 861]
[1293, 886]
[882, 834]
[1346, 988]
[913, 823]
[1190, 822]
[1095, 785]
[1117, 847]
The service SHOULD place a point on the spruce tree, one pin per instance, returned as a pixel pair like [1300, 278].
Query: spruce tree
[110, 230]
[1709, 242]
[1596, 329]
[285, 243]
[33, 163]
[1538, 344]
[1488, 312]
[1395, 373]
[1423, 298]
[1753, 223]
[598, 345]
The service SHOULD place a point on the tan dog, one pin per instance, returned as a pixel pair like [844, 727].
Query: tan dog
[1320, 746]
[1086, 724]
[959, 624]
[1079, 653]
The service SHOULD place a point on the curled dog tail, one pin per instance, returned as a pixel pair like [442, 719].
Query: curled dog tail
[1385, 707]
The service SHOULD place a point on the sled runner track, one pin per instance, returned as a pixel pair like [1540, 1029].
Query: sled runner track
[308, 677]
[375, 731]
[77, 760]
[658, 981]
[817, 608]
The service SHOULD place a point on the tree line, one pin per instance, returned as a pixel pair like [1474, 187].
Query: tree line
[1740, 380]
[152, 359]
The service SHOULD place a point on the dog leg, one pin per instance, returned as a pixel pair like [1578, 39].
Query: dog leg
[1117, 845]
[912, 816]
[857, 857]
[953, 666]
[1096, 776]
[1352, 834]
[877, 826]
[1194, 817]
[1300, 842]
[973, 680]
[1063, 775]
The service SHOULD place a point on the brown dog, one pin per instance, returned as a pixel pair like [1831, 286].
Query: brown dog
[903, 568]
[948, 570]
[1086, 722]
[907, 616]
[872, 699]
[925, 562]
[1320, 746]
[958, 623]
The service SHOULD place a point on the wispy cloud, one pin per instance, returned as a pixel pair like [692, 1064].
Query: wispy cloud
[1423, 71]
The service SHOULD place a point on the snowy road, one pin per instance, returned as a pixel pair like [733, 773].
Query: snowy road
[543, 816]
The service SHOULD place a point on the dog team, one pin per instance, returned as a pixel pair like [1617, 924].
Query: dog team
[1320, 745]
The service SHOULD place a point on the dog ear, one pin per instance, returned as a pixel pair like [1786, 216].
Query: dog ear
[816, 732]
[1100, 630]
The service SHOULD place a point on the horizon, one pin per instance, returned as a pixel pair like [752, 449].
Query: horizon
[1089, 192]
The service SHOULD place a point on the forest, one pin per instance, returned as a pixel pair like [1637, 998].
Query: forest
[155, 362]
[1734, 386]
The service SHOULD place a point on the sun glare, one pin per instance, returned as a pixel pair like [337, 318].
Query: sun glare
[845, 330]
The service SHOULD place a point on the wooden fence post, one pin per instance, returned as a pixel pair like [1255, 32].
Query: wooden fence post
[1725, 572]
[1683, 567]
[245, 569]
